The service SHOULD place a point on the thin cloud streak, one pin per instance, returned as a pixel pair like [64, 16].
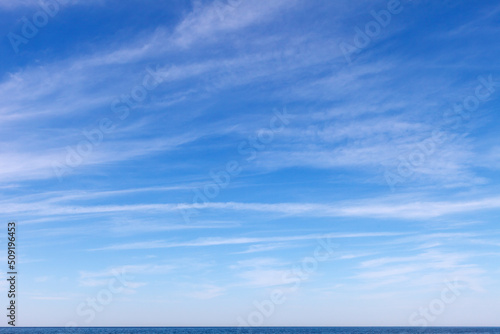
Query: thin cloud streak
[416, 210]
[239, 241]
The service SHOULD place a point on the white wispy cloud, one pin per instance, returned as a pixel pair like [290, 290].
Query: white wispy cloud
[239, 241]
[208, 22]
[367, 208]
[422, 270]
[206, 291]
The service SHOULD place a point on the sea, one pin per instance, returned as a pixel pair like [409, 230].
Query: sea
[256, 330]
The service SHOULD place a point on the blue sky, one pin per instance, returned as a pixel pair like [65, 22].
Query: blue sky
[182, 162]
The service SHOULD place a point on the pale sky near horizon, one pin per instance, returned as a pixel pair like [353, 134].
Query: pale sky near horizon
[279, 162]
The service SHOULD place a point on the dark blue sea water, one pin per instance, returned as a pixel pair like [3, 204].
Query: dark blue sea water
[261, 330]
